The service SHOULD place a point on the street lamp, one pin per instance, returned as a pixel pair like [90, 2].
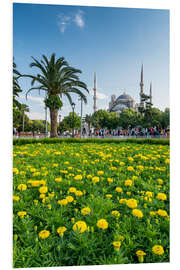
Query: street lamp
[59, 123]
[73, 107]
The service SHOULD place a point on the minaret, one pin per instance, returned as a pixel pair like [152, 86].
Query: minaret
[150, 94]
[141, 88]
[95, 96]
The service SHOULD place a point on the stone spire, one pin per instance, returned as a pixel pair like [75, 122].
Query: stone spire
[141, 88]
[95, 93]
[150, 94]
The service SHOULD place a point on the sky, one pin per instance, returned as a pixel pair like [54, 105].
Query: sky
[113, 42]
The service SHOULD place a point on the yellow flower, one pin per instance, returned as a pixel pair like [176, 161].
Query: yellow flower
[45, 173]
[58, 179]
[116, 213]
[102, 224]
[78, 193]
[49, 206]
[140, 255]
[42, 196]
[128, 193]
[161, 196]
[78, 177]
[167, 161]
[162, 213]
[110, 180]
[95, 179]
[15, 198]
[122, 200]
[36, 173]
[80, 226]
[116, 245]
[158, 249]
[109, 196]
[33, 170]
[55, 165]
[113, 168]
[131, 203]
[15, 171]
[89, 176]
[152, 213]
[86, 211]
[63, 202]
[44, 234]
[69, 198]
[43, 189]
[66, 162]
[160, 181]
[149, 194]
[72, 190]
[72, 219]
[100, 173]
[22, 187]
[121, 163]
[61, 231]
[22, 213]
[137, 213]
[22, 173]
[130, 168]
[35, 201]
[128, 183]
[118, 189]
[140, 167]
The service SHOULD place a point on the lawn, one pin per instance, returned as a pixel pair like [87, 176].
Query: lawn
[88, 204]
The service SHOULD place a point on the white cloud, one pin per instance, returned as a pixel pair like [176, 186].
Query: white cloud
[99, 95]
[36, 99]
[79, 19]
[65, 21]
[37, 116]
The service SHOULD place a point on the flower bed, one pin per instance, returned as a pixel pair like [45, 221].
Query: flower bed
[87, 204]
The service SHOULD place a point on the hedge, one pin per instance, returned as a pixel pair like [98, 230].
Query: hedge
[77, 140]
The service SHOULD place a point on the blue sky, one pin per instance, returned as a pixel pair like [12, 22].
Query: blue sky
[114, 42]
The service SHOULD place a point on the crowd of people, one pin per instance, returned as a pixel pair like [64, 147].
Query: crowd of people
[153, 132]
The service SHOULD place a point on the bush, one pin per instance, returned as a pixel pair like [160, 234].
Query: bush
[77, 140]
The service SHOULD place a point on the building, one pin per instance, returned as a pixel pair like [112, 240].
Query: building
[125, 101]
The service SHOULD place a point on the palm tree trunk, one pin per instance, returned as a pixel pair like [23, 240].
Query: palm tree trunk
[53, 116]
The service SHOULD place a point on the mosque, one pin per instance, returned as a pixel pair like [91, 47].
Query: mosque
[124, 101]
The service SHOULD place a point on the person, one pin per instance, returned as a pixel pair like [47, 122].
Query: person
[102, 133]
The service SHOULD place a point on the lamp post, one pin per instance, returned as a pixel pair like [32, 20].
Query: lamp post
[59, 123]
[81, 115]
[45, 121]
[73, 107]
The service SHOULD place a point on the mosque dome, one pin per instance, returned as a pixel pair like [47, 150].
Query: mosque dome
[124, 101]
[124, 96]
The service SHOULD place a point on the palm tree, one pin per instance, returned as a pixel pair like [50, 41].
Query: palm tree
[23, 108]
[16, 88]
[56, 78]
[88, 120]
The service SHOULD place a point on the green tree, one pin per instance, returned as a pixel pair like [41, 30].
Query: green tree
[165, 118]
[113, 120]
[56, 78]
[89, 120]
[128, 118]
[37, 125]
[100, 119]
[71, 121]
[23, 108]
